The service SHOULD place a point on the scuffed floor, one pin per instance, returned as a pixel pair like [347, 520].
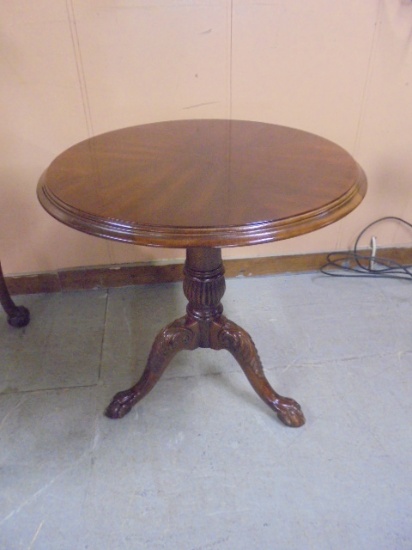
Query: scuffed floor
[201, 463]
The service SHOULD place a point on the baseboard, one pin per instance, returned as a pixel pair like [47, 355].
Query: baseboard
[136, 274]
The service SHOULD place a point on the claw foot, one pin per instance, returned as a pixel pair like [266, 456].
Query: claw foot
[290, 412]
[19, 318]
[121, 404]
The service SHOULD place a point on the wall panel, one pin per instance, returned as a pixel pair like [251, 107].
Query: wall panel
[70, 69]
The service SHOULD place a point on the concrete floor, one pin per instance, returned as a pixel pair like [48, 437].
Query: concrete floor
[202, 463]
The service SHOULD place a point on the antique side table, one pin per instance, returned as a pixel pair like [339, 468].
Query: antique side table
[202, 185]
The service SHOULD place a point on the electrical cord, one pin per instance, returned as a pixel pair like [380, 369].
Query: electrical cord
[354, 264]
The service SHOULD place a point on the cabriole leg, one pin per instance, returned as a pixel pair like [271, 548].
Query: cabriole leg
[227, 335]
[175, 337]
[17, 316]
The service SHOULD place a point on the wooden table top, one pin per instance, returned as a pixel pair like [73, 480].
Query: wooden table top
[211, 183]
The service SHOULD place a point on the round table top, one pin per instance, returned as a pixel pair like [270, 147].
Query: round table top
[212, 183]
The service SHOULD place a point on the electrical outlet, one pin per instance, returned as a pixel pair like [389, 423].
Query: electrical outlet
[374, 246]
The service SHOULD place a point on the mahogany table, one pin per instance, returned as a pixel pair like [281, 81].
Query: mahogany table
[202, 185]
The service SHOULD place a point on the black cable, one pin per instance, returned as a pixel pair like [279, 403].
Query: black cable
[351, 262]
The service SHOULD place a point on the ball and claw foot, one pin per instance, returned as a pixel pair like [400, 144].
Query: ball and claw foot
[290, 413]
[19, 318]
[121, 404]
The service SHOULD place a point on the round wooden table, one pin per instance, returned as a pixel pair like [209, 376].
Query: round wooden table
[202, 185]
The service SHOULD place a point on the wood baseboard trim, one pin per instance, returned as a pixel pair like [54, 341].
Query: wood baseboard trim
[136, 274]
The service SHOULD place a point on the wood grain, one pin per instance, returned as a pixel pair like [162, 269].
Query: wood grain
[209, 183]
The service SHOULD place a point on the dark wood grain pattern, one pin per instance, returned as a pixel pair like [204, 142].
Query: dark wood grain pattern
[210, 183]
[202, 185]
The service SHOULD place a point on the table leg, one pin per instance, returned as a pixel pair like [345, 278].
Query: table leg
[227, 335]
[179, 335]
[17, 316]
[204, 326]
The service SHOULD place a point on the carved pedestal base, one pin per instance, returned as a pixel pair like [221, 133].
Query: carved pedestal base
[204, 326]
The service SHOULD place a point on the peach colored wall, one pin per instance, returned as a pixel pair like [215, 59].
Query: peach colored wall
[70, 69]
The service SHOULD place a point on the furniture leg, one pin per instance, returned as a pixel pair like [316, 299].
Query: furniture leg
[227, 335]
[204, 326]
[18, 316]
[177, 336]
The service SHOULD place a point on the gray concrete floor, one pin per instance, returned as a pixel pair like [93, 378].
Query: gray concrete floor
[201, 463]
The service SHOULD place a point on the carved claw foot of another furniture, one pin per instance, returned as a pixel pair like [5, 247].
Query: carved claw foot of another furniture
[17, 316]
[227, 335]
[20, 317]
[179, 335]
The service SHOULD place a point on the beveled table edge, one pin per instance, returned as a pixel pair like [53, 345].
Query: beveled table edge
[184, 237]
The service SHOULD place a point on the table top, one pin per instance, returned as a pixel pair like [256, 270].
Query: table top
[196, 183]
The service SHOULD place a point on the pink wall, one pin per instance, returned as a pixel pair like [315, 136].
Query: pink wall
[70, 69]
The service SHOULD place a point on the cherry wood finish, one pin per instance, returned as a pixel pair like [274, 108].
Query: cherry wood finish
[202, 185]
[17, 316]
